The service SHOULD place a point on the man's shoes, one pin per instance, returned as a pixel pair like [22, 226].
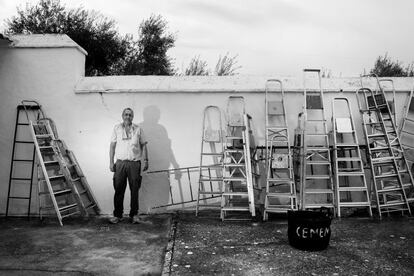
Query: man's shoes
[114, 220]
[136, 219]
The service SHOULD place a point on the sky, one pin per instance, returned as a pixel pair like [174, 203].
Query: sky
[269, 37]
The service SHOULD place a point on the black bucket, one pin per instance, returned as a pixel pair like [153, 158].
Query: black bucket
[309, 230]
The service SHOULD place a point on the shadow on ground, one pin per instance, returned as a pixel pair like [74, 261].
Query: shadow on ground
[83, 247]
[358, 246]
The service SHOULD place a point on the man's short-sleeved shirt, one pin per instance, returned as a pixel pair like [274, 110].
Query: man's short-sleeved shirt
[128, 144]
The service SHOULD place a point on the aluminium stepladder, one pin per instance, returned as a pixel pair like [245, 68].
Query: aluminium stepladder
[406, 130]
[280, 183]
[389, 171]
[240, 187]
[210, 185]
[316, 189]
[349, 175]
[61, 184]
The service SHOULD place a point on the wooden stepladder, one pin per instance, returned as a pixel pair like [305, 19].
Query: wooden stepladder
[315, 165]
[350, 183]
[280, 183]
[391, 177]
[210, 185]
[60, 178]
[240, 167]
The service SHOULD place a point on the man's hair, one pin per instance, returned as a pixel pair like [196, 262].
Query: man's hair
[128, 108]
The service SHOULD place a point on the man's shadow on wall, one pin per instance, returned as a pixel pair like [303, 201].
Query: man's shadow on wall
[155, 189]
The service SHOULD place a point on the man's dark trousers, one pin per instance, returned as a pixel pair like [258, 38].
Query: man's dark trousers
[124, 170]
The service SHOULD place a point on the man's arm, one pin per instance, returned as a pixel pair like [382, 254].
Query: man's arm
[145, 156]
[111, 156]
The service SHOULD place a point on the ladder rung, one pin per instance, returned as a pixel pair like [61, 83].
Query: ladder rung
[40, 136]
[376, 135]
[353, 204]
[318, 162]
[394, 203]
[20, 178]
[280, 180]
[352, 159]
[234, 179]
[386, 175]
[379, 148]
[75, 179]
[347, 145]
[91, 205]
[50, 162]
[54, 177]
[391, 189]
[235, 165]
[70, 214]
[285, 195]
[233, 208]
[316, 205]
[67, 207]
[360, 173]
[318, 191]
[45, 147]
[318, 177]
[352, 189]
[317, 148]
[210, 192]
[234, 150]
[62, 192]
[315, 120]
[22, 160]
[204, 178]
[234, 194]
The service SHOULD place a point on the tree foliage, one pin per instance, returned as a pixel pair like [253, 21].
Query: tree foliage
[197, 67]
[386, 67]
[149, 54]
[225, 66]
[91, 30]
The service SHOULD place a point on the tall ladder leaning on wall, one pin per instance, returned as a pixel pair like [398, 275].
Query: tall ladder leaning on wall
[316, 167]
[349, 175]
[391, 178]
[62, 185]
[210, 185]
[240, 173]
[280, 183]
[23, 160]
[406, 130]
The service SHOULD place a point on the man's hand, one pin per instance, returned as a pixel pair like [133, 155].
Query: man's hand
[145, 165]
[112, 167]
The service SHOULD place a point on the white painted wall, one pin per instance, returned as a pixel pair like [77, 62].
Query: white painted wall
[168, 108]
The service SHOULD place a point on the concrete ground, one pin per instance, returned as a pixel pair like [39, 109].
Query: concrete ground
[83, 247]
[358, 246]
[183, 244]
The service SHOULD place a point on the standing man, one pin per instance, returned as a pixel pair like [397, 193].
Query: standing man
[128, 147]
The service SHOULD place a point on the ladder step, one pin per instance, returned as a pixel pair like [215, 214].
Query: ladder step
[390, 189]
[353, 204]
[386, 175]
[234, 151]
[315, 120]
[210, 192]
[62, 192]
[233, 208]
[317, 148]
[205, 178]
[318, 191]
[352, 189]
[316, 205]
[347, 145]
[385, 160]
[70, 214]
[231, 165]
[318, 162]
[234, 179]
[352, 159]
[47, 163]
[41, 136]
[280, 180]
[360, 173]
[234, 194]
[55, 177]
[376, 135]
[318, 177]
[285, 195]
[67, 207]
[45, 147]
[394, 203]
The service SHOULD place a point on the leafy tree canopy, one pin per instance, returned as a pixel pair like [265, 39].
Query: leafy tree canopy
[386, 67]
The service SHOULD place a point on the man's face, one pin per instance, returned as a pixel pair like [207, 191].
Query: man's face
[127, 116]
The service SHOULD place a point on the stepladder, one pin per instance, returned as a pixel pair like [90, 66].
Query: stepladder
[240, 167]
[210, 186]
[391, 178]
[316, 181]
[406, 130]
[62, 185]
[349, 174]
[280, 183]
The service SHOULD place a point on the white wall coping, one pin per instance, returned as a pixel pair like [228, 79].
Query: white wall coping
[239, 83]
[43, 41]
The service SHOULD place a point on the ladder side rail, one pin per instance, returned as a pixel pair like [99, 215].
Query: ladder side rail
[249, 176]
[11, 163]
[394, 110]
[335, 158]
[200, 184]
[45, 175]
[406, 110]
